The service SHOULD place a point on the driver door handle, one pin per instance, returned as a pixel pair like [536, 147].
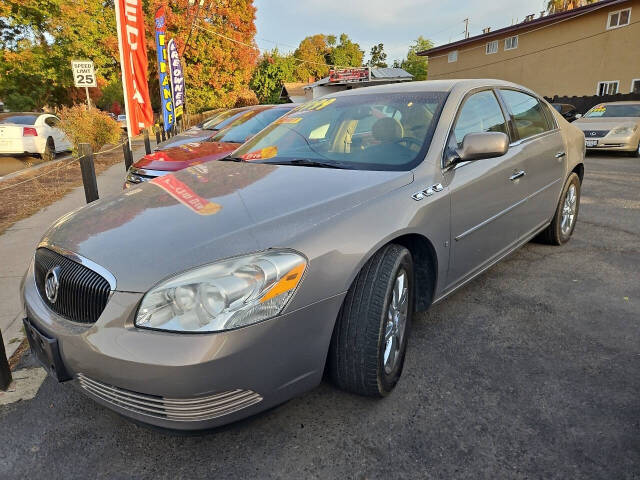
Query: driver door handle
[559, 155]
[517, 175]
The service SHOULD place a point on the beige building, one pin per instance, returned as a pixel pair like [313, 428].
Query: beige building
[592, 50]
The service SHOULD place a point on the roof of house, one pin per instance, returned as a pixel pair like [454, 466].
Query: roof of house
[538, 22]
[294, 88]
[378, 74]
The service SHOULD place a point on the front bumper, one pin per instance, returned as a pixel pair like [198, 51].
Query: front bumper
[613, 143]
[188, 381]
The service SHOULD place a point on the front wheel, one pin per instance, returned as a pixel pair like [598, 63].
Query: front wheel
[370, 337]
[561, 227]
[635, 153]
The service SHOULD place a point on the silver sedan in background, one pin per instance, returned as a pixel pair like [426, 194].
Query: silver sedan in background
[214, 293]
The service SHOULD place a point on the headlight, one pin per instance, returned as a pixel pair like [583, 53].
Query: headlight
[224, 295]
[626, 130]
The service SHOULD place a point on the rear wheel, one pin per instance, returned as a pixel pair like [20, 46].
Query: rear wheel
[49, 150]
[370, 337]
[561, 227]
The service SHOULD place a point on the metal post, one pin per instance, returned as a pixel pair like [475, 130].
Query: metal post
[88, 170]
[128, 158]
[147, 144]
[157, 135]
[5, 371]
[86, 89]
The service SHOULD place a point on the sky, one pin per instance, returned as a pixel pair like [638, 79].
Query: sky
[396, 23]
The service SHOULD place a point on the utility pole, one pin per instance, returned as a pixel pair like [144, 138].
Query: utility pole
[466, 27]
[195, 19]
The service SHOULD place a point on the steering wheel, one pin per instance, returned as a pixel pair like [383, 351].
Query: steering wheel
[409, 140]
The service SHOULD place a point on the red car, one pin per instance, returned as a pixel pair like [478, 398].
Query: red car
[219, 146]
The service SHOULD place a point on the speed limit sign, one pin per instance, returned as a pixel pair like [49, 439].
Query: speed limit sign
[83, 73]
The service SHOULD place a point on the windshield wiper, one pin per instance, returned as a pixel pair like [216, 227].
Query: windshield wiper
[304, 162]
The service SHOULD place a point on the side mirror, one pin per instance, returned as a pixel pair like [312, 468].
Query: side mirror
[577, 116]
[476, 146]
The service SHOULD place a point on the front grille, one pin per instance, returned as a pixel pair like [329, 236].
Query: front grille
[173, 409]
[595, 133]
[82, 293]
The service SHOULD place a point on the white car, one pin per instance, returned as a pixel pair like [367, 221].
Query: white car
[32, 133]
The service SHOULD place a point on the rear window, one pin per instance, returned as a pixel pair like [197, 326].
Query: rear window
[19, 119]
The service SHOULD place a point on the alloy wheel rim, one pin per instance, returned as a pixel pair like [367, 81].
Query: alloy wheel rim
[569, 210]
[396, 323]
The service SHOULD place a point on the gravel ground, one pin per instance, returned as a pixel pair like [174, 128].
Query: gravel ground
[530, 371]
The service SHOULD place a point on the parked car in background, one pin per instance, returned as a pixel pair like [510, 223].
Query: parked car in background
[567, 110]
[32, 134]
[613, 126]
[122, 120]
[238, 128]
[301, 254]
[204, 130]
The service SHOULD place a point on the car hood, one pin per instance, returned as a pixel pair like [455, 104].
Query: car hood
[192, 153]
[194, 134]
[608, 123]
[209, 212]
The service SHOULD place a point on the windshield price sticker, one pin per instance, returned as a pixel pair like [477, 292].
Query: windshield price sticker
[83, 73]
[288, 120]
[315, 105]
[263, 154]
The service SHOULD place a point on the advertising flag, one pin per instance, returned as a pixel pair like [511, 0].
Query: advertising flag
[177, 79]
[133, 63]
[163, 70]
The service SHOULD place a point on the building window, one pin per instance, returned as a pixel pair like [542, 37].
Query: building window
[492, 47]
[619, 18]
[453, 56]
[635, 85]
[511, 43]
[608, 88]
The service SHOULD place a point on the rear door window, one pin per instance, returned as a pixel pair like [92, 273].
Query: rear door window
[528, 113]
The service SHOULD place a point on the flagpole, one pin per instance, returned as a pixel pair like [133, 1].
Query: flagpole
[124, 80]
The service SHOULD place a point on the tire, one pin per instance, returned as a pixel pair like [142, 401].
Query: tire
[49, 150]
[636, 152]
[555, 234]
[357, 352]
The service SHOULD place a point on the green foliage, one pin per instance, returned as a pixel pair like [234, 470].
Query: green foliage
[312, 55]
[378, 56]
[89, 126]
[272, 72]
[17, 102]
[415, 65]
[346, 53]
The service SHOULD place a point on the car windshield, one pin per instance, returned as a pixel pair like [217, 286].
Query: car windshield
[249, 124]
[604, 110]
[122, 117]
[222, 120]
[18, 119]
[390, 131]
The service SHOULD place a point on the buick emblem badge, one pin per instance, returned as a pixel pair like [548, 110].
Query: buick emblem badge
[52, 284]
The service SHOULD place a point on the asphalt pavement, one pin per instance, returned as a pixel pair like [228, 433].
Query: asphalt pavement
[530, 371]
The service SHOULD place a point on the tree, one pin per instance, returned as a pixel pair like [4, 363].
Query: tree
[345, 54]
[38, 38]
[415, 65]
[378, 56]
[556, 6]
[312, 56]
[272, 72]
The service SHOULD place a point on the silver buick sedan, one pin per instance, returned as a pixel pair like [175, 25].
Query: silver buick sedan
[214, 293]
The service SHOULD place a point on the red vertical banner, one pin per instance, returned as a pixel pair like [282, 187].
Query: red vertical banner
[133, 63]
